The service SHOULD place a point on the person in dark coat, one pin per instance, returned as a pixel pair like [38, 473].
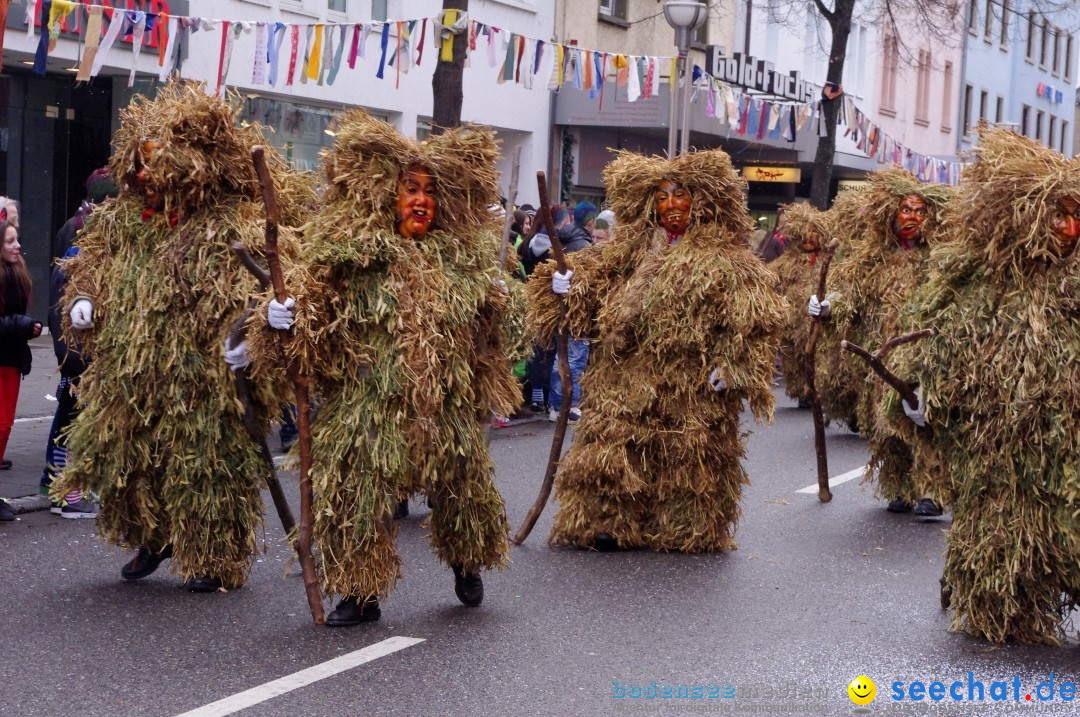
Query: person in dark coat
[99, 187]
[16, 329]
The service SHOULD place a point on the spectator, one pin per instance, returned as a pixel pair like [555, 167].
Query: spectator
[530, 219]
[9, 210]
[16, 329]
[99, 187]
[535, 250]
[574, 236]
[608, 217]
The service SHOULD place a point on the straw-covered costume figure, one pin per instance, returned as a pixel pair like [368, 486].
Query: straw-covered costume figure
[806, 230]
[885, 258]
[151, 295]
[399, 321]
[1000, 388]
[687, 323]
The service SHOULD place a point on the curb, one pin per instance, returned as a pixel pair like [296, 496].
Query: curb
[29, 504]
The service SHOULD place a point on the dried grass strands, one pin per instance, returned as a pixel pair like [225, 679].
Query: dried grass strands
[407, 345]
[655, 460]
[161, 436]
[1001, 380]
[798, 280]
[869, 284]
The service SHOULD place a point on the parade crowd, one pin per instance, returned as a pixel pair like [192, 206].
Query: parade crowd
[947, 335]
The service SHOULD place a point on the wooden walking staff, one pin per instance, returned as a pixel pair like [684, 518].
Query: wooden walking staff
[823, 493]
[876, 362]
[300, 382]
[564, 373]
[252, 424]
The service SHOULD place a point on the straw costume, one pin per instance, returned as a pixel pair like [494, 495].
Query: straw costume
[687, 324]
[886, 249]
[806, 231]
[1001, 386]
[405, 340]
[160, 438]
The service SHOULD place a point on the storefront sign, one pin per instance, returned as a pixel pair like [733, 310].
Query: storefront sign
[1050, 92]
[772, 174]
[753, 74]
[850, 185]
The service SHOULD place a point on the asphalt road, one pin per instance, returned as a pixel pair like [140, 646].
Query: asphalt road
[816, 595]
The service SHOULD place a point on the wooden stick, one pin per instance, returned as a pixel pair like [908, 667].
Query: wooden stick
[300, 382]
[252, 424]
[564, 374]
[515, 168]
[875, 362]
[824, 494]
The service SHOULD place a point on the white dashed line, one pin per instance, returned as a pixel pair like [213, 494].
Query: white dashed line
[284, 685]
[833, 482]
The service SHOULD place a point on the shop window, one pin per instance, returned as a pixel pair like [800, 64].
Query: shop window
[1032, 28]
[946, 100]
[614, 9]
[1006, 16]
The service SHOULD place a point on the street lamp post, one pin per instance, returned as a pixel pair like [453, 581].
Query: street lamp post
[685, 16]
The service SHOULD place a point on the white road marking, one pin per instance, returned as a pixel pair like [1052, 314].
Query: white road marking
[35, 418]
[283, 685]
[833, 482]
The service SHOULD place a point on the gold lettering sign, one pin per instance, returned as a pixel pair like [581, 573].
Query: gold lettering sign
[772, 174]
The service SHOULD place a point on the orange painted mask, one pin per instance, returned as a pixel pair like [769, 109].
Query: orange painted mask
[416, 203]
[151, 194]
[673, 203]
[910, 216]
[1065, 224]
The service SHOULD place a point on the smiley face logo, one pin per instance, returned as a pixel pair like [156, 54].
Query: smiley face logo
[862, 690]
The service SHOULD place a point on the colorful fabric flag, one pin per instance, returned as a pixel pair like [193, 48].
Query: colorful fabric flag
[111, 34]
[294, 42]
[385, 43]
[93, 39]
[258, 71]
[139, 21]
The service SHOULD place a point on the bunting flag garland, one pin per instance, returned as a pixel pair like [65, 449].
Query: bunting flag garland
[515, 59]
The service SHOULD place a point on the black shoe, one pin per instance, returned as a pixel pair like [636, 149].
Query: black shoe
[604, 543]
[202, 584]
[5, 465]
[402, 510]
[144, 563]
[803, 403]
[928, 508]
[853, 424]
[899, 506]
[350, 612]
[946, 593]
[468, 588]
[538, 408]
[7, 513]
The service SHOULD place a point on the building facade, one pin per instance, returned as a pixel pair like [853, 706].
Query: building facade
[54, 131]
[1020, 70]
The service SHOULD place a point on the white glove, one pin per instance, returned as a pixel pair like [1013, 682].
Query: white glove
[917, 414]
[82, 314]
[560, 282]
[818, 308]
[280, 315]
[717, 381]
[237, 357]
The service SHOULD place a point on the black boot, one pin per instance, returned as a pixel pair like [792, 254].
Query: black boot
[402, 510]
[899, 506]
[144, 563]
[469, 588]
[351, 612]
[7, 513]
[604, 543]
[202, 584]
[928, 508]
